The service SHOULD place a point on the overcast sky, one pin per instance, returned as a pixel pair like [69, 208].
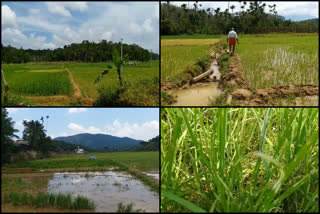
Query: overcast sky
[41, 25]
[137, 123]
[296, 11]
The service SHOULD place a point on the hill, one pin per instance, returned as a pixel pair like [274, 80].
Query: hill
[101, 141]
[62, 146]
[150, 145]
[316, 21]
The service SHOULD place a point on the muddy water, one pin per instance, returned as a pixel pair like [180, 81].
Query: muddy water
[200, 95]
[106, 189]
[197, 96]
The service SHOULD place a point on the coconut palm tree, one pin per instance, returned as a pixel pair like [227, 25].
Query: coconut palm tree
[232, 8]
[34, 133]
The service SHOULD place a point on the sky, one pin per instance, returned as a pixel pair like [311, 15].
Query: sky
[136, 123]
[42, 25]
[296, 11]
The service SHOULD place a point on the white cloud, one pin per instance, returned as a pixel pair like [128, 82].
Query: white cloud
[16, 38]
[76, 110]
[107, 36]
[76, 128]
[9, 17]
[12, 110]
[135, 22]
[34, 11]
[143, 131]
[60, 8]
[147, 25]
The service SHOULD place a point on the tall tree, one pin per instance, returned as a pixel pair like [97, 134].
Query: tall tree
[7, 134]
[34, 133]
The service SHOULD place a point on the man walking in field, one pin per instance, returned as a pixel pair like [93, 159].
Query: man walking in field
[232, 37]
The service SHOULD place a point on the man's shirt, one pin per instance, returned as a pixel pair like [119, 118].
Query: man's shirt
[232, 34]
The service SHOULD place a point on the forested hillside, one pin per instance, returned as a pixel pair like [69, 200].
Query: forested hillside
[82, 52]
[150, 145]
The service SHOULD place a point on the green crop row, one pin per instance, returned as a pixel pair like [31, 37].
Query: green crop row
[273, 60]
[239, 160]
[47, 199]
[39, 84]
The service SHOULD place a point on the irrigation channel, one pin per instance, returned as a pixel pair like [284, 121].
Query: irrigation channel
[200, 94]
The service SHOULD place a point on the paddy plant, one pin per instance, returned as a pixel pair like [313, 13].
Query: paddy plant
[39, 83]
[239, 160]
[49, 200]
[279, 59]
[178, 54]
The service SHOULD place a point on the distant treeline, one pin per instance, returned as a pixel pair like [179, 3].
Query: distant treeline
[82, 52]
[150, 145]
[193, 19]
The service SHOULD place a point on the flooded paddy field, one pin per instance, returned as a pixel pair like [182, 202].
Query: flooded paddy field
[153, 174]
[127, 178]
[106, 190]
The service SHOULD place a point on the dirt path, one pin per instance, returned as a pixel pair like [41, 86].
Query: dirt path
[77, 92]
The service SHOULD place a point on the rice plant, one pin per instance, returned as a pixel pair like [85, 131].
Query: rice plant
[279, 59]
[124, 208]
[49, 200]
[239, 160]
[177, 55]
[39, 84]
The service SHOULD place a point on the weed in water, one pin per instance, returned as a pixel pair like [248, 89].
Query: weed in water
[124, 208]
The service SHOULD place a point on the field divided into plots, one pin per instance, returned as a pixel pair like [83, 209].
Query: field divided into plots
[69, 81]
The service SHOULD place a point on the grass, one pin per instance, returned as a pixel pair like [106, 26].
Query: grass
[154, 186]
[49, 200]
[27, 82]
[141, 160]
[279, 59]
[195, 36]
[177, 55]
[142, 80]
[85, 74]
[239, 160]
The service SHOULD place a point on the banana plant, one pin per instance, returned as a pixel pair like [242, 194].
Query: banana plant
[118, 62]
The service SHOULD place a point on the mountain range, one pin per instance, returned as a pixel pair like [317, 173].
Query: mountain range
[101, 141]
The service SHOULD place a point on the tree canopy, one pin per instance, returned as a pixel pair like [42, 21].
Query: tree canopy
[197, 20]
[83, 52]
[7, 134]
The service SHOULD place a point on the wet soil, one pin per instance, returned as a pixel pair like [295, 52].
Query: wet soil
[242, 95]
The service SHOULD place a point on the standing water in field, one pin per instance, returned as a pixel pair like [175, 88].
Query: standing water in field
[106, 190]
[200, 95]
[153, 174]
